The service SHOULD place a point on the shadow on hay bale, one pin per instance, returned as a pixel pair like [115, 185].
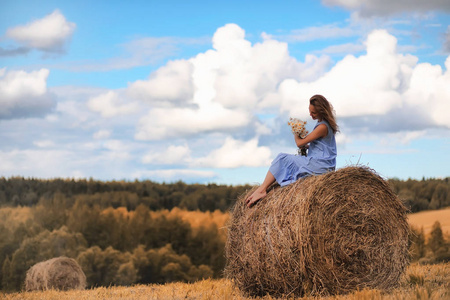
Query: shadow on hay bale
[60, 273]
[322, 235]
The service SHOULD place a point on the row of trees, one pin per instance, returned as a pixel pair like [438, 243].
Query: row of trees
[418, 195]
[432, 249]
[18, 191]
[423, 194]
[112, 245]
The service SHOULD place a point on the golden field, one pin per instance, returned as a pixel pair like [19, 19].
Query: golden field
[427, 218]
[419, 282]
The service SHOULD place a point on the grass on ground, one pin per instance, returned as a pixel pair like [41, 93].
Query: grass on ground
[421, 282]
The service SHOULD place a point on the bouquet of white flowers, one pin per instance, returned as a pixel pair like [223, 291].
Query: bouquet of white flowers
[298, 128]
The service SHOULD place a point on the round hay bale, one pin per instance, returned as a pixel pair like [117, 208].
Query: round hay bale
[322, 235]
[60, 273]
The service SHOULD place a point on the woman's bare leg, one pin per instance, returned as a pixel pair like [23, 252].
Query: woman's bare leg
[260, 192]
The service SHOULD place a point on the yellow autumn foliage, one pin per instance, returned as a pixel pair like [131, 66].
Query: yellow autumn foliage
[12, 217]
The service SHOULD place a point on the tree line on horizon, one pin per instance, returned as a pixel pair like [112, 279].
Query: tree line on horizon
[142, 232]
[417, 195]
[19, 191]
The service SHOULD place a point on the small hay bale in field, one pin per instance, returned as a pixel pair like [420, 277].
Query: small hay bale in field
[60, 273]
[322, 235]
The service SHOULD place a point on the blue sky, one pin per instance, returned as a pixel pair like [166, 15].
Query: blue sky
[202, 92]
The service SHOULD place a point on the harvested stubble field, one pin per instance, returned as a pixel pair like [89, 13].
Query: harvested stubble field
[419, 282]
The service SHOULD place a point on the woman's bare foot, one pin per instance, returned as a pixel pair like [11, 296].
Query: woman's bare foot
[261, 191]
[255, 196]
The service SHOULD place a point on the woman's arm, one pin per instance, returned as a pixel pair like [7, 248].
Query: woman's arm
[318, 132]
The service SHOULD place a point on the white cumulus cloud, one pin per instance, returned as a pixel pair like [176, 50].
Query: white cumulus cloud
[377, 90]
[44, 143]
[367, 85]
[110, 104]
[45, 162]
[162, 123]
[102, 134]
[171, 155]
[170, 83]
[116, 150]
[404, 137]
[49, 34]
[24, 94]
[236, 153]
[219, 90]
[429, 92]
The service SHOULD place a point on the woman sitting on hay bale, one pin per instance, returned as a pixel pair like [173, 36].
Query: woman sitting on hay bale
[323, 235]
[288, 168]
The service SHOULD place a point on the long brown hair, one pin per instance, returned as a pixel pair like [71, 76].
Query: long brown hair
[325, 110]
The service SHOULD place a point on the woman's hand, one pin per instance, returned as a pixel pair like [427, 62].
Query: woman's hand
[319, 132]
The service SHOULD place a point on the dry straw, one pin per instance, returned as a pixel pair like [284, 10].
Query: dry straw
[60, 273]
[322, 235]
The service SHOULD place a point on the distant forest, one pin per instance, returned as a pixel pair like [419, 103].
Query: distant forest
[418, 195]
[124, 233]
[18, 191]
